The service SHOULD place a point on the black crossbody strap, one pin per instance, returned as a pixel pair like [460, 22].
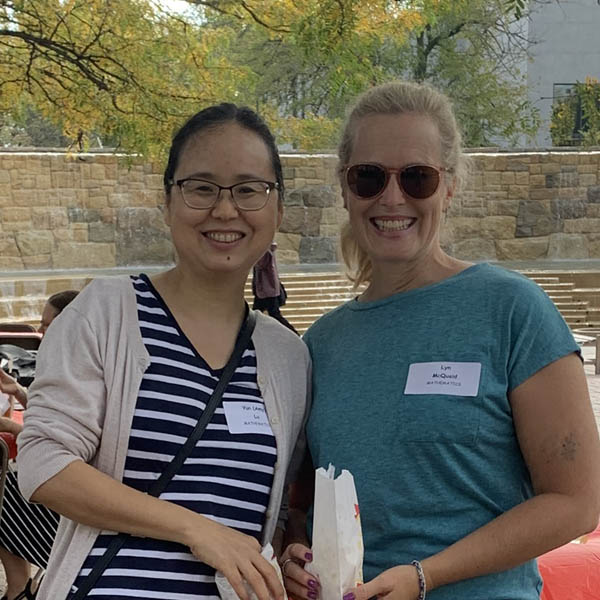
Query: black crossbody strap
[161, 483]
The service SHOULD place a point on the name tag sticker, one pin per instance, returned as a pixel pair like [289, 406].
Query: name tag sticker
[449, 378]
[246, 417]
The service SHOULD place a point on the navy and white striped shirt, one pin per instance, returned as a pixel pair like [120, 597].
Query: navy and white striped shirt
[227, 477]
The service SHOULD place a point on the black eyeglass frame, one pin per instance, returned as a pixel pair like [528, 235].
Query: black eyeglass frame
[388, 175]
[271, 185]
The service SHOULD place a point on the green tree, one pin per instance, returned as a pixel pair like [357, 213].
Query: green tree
[311, 58]
[123, 69]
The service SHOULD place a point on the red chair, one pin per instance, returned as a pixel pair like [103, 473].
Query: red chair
[4, 455]
[23, 327]
[572, 572]
[29, 340]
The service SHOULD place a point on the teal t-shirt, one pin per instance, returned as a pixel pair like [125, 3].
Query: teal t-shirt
[431, 467]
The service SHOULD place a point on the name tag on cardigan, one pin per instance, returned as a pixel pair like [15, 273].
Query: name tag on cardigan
[247, 417]
[447, 378]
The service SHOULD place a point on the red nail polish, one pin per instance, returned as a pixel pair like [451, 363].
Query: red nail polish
[308, 556]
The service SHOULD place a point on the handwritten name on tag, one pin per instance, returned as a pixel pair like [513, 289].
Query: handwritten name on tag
[247, 417]
[448, 378]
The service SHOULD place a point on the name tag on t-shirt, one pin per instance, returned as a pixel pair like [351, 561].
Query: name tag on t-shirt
[448, 378]
[247, 417]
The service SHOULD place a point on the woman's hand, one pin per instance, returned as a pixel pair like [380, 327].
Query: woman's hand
[9, 426]
[9, 386]
[300, 584]
[238, 557]
[397, 583]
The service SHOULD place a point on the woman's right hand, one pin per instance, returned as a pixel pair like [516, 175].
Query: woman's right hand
[237, 556]
[9, 386]
[299, 583]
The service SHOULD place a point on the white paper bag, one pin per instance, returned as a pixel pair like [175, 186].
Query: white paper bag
[337, 544]
[228, 593]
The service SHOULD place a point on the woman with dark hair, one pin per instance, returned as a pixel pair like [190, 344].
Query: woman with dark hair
[54, 306]
[27, 530]
[120, 434]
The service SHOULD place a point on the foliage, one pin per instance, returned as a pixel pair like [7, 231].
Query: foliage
[131, 71]
[565, 127]
[315, 57]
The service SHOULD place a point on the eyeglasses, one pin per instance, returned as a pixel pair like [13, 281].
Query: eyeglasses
[369, 180]
[246, 195]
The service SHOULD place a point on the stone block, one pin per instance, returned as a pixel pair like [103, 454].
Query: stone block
[492, 178]
[535, 219]
[318, 250]
[588, 179]
[41, 261]
[587, 168]
[508, 208]
[522, 177]
[142, 237]
[593, 245]
[523, 249]
[542, 194]
[563, 208]
[8, 247]
[49, 218]
[10, 263]
[562, 180]
[463, 227]
[498, 228]
[593, 194]
[518, 165]
[33, 243]
[300, 219]
[518, 192]
[507, 177]
[474, 249]
[565, 245]
[101, 232]
[79, 255]
[585, 225]
[537, 181]
[550, 167]
[82, 215]
[15, 214]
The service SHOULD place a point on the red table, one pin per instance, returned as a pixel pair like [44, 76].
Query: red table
[9, 438]
[572, 572]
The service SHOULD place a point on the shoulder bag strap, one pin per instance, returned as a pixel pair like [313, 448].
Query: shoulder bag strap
[161, 483]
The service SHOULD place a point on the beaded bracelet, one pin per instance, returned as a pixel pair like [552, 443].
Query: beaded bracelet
[422, 583]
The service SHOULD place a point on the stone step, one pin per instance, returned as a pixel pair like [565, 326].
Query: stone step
[545, 280]
[556, 287]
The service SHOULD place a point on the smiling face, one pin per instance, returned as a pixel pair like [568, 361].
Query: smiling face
[394, 228]
[223, 238]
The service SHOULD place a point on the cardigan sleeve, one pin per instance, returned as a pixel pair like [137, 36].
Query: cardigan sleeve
[67, 401]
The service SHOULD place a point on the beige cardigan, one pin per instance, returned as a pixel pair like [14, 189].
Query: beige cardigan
[89, 369]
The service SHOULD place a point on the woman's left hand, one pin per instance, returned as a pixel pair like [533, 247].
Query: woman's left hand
[300, 584]
[397, 583]
[8, 425]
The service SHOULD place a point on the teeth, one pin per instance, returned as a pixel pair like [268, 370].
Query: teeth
[223, 237]
[393, 225]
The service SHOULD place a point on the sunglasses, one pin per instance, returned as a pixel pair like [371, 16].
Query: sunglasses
[369, 180]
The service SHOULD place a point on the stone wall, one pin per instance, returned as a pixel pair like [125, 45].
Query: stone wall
[96, 210]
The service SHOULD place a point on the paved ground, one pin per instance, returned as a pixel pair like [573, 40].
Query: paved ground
[593, 384]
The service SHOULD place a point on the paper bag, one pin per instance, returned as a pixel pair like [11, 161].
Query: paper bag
[337, 543]
[228, 593]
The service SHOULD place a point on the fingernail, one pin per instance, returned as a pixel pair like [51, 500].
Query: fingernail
[308, 556]
[312, 595]
[349, 596]
[312, 583]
